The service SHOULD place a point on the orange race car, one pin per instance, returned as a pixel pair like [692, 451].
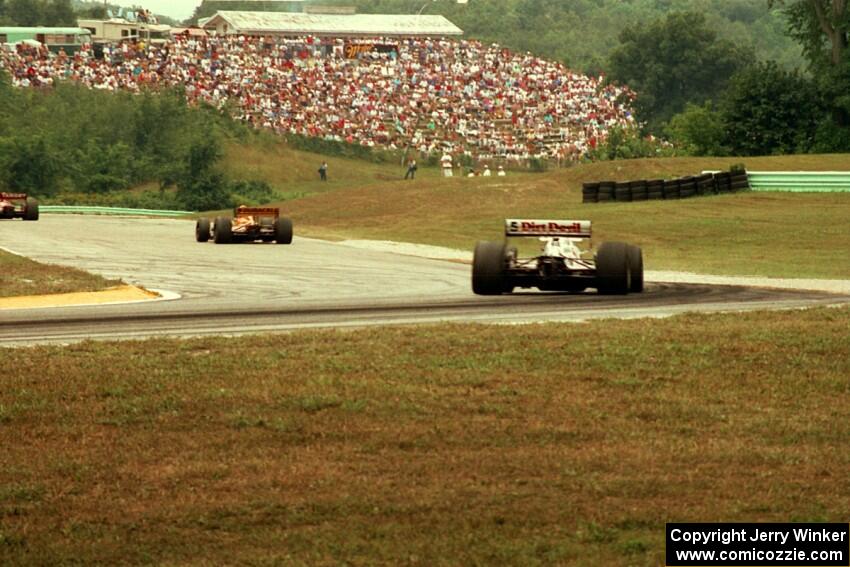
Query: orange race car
[249, 224]
[18, 206]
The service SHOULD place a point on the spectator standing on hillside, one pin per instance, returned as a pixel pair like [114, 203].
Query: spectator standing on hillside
[411, 169]
[446, 162]
[323, 171]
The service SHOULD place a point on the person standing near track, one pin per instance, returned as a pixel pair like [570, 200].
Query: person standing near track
[411, 169]
[446, 162]
[323, 171]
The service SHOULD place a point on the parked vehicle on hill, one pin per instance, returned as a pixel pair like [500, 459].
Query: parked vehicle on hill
[566, 262]
[249, 224]
[18, 206]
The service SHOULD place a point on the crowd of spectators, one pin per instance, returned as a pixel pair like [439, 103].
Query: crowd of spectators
[427, 95]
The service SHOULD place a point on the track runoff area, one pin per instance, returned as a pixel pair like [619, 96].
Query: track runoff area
[250, 288]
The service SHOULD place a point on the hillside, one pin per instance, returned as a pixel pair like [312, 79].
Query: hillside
[721, 234]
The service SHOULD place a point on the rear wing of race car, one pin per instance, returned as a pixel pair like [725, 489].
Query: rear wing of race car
[257, 212]
[13, 196]
[536, 227]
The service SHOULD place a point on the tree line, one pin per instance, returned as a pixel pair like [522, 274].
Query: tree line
[70, 140]
[713, 97]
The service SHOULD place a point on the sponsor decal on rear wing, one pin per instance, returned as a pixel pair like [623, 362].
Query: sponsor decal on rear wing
[257, 211]
[10, 196]
[536, 227]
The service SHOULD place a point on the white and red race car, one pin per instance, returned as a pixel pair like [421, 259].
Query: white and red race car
[18, 206]
[566, 262]
[249, 224]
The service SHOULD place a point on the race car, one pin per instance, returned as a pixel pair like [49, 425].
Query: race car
[566, 261]
[18, 205]
[249, 224]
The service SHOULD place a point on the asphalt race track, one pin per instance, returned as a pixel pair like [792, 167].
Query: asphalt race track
[243, 288]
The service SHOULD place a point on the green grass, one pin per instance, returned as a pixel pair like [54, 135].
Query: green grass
[439, 445]
[768, 234]
[22, 276]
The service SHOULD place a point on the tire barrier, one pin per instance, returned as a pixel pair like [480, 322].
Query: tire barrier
[590, 193]
[653, 189]
[639, 190]
[606, 191]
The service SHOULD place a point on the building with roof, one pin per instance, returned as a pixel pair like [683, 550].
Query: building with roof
[119, 29]
[330, 25]
[258, 5]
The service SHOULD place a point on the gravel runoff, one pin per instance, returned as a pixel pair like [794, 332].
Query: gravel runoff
[441, 253]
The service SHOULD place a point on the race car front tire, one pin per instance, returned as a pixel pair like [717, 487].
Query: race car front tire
[613, 276]
[636, 268]
[283, 231]
[202, 229]
[31, 211]
[223, 231]
[488, 269]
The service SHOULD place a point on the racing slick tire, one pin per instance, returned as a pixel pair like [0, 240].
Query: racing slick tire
[488, 269]
[636, 268]
[612, 269]
[223, 231]
[202, 230]
[283, 230]
[31, 211]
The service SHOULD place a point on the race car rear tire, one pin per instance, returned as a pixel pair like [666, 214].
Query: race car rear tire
[31, 211]
[636, 268]
[223, 231]
[488, 269]
[283, 231]
[612, 269]
[202, 230]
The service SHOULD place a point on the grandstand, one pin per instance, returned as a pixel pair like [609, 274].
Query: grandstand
[329, 25]
[378, 85]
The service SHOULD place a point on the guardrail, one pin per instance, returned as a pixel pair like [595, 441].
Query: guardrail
[110, 211]
[800, 181]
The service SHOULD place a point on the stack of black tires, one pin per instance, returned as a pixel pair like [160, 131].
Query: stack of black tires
[654, 189]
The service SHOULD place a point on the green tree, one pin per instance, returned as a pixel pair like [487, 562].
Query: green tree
[30, 166]
[25, 12]
[672, 62]
[768, 110]
[699, 130]
[200, 187]
[59, 13]
[822, 27]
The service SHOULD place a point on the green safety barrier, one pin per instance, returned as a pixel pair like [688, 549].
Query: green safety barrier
[110, 211]
[800, 181]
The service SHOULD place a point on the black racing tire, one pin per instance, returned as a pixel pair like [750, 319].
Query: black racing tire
[623, 192]
[612, 269]
[636, 268]
[283, 230]
[488, 269]
[202, 229]
[31, 210]
[223, 231]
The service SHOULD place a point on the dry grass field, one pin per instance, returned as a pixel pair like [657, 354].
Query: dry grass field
[22, 276]
[441, 445]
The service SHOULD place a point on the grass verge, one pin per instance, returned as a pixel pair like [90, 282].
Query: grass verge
[766, 234]
[523, 445]
[22, 276]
